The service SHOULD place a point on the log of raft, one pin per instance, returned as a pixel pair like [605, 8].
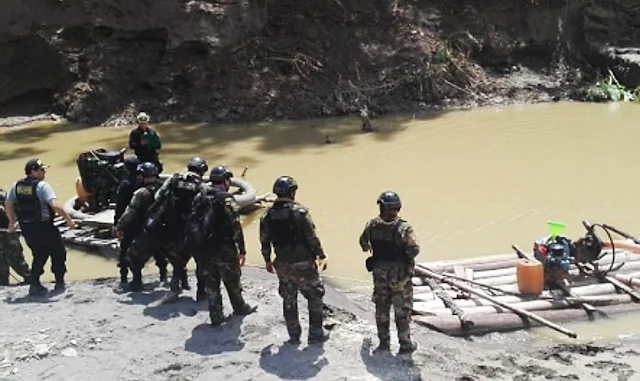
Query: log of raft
[505, 322]
[536, 305]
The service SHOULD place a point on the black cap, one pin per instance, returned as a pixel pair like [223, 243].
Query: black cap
[34, 165]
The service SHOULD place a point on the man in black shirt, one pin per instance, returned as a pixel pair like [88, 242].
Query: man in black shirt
[145, 142]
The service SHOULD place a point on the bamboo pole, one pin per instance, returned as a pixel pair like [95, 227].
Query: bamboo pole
[520, 312]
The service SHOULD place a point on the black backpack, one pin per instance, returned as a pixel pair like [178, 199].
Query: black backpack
[201, 229]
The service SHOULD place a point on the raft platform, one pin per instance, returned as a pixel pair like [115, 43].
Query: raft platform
[476, 296]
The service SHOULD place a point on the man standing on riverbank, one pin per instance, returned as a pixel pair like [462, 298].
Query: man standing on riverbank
[146, 142]
[176, 197]
[132, 221]
[124, 195]
[11, 256]
[394, 246]
[222, 250]
[33, 203]
[287, 225]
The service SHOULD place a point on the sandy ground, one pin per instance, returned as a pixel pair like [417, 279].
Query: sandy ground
[92, 332]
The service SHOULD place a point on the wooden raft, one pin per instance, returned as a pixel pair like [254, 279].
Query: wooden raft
[91, 234]
[487, 295]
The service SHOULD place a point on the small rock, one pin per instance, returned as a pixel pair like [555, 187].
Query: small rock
[14, 371]
[73, 342]
[69, 352]
[41, 350]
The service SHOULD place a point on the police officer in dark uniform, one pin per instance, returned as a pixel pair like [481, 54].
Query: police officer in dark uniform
[33, 203]
[287, 225]
[393, 245]
[177, 194]
[125, 192]
[224, 250]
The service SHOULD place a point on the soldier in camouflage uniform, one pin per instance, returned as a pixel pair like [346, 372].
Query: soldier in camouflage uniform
[394, 246]
[287, 225]
[11, 255]
[178, 193]
[223, 252]
[133, 219]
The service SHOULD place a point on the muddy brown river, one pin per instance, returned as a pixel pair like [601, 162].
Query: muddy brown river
[472, 182]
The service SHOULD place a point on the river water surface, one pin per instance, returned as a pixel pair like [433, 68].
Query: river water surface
[472, 182]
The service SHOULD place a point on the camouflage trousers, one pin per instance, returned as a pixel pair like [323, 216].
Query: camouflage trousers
[142, 248]
[303, 277]
[178, 255]
[11, 256]
[392, 287]
[223, 267]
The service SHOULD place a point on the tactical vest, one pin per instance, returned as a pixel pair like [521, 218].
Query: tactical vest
[384, 242]
[185, 189]
[28, 207]
[282, 225]
[223, 231]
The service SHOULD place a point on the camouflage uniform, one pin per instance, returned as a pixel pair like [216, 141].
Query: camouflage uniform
[288, 226]
[143, 246]
[392, 274]
[220, 261]
[173, 243]
[11, 255]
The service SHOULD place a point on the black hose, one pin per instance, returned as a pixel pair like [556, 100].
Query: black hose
[613, 247]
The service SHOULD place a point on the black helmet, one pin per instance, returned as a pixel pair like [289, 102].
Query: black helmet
[3, 196]
[284, 186]
[148, 169]
[198, 165]
[220, 173]
[389, 200]
[131, 163]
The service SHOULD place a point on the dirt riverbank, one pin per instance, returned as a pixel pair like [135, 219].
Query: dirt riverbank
[92, 332]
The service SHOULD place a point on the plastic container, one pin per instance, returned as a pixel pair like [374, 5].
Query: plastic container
[530, 276]
[80, 191]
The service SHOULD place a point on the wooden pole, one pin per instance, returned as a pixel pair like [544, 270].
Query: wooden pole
[448, 302]
[523, 313]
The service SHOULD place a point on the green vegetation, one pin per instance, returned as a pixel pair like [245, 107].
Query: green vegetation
[610, 90]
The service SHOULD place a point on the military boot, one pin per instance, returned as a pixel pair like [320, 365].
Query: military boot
[60, 285]
[408, 347]
[163, 274]
[201, 293]
[216, 319]
[136, 282]
[244, 309]
[37, 288]
[184, 280]
[384, 346]
[317, 335]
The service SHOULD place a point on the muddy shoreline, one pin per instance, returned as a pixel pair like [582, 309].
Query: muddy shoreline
[105, 335]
